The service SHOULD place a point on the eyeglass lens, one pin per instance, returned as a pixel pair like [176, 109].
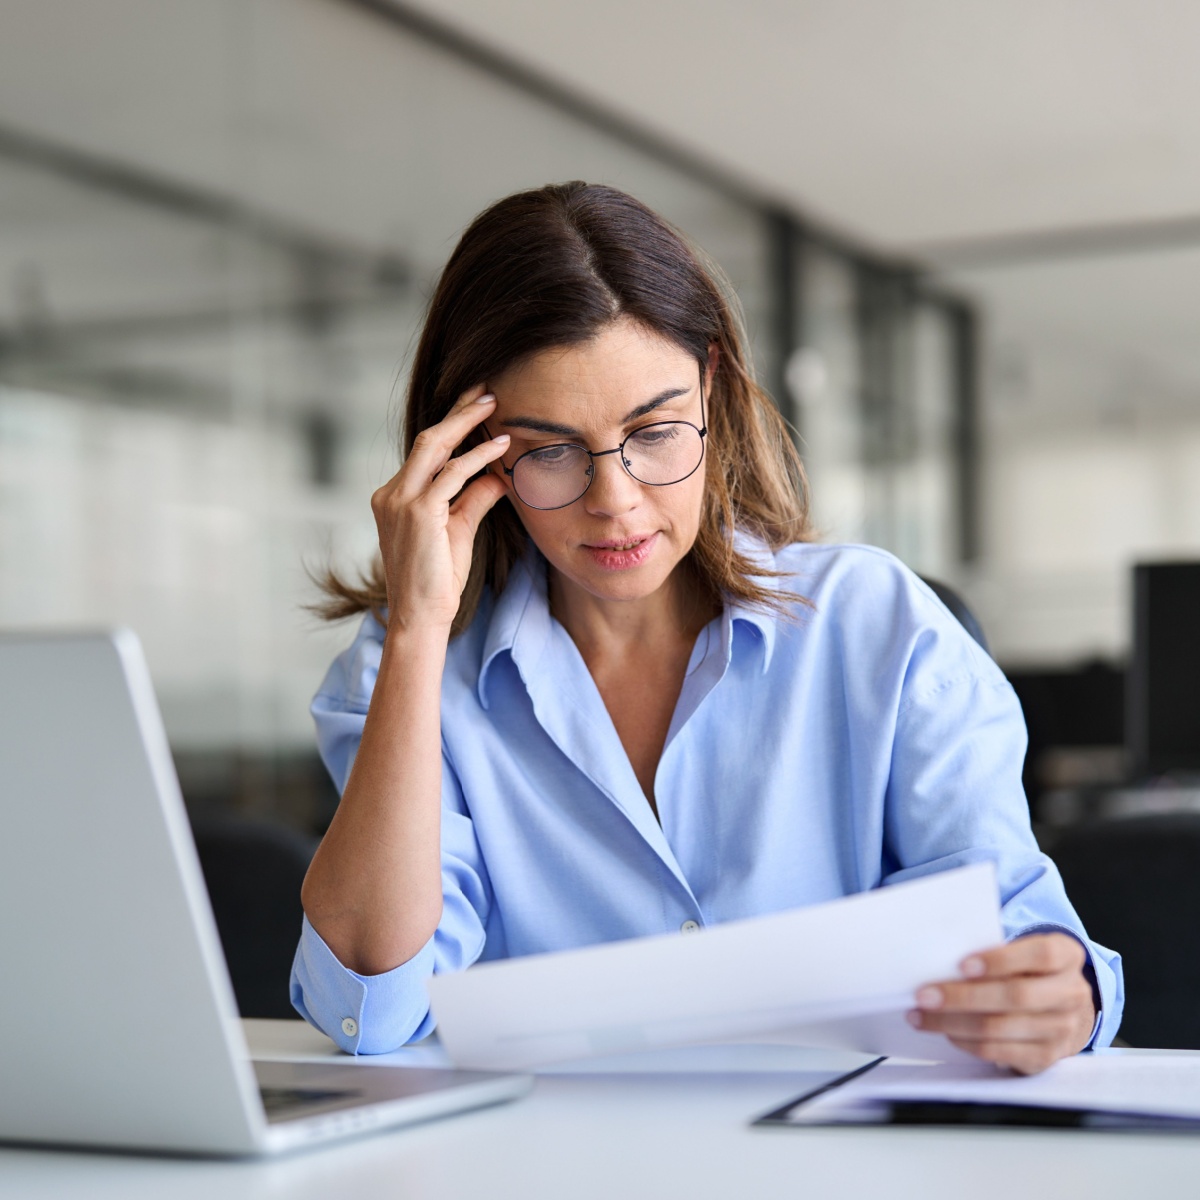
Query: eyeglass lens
[556, 476]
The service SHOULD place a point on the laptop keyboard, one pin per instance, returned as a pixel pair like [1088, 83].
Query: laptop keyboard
[277, 1100]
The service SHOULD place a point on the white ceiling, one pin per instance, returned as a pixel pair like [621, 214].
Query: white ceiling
[903, 121]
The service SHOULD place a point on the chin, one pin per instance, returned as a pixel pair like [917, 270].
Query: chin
[633, 584]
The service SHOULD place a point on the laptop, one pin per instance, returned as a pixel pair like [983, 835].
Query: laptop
[118, 1025]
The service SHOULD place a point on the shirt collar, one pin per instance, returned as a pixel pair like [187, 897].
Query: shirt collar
[521, 614]
[520, 620]
[764, 620]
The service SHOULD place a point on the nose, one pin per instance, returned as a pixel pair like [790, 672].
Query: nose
[613, 490]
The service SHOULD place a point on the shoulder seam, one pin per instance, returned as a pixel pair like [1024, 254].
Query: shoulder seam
[951, 683]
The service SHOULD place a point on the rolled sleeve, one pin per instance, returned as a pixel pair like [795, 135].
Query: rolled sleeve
[363, 1014]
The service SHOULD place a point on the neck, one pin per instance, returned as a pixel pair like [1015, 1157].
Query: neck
[602, 629]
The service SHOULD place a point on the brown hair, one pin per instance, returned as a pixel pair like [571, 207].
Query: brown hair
[552, 267]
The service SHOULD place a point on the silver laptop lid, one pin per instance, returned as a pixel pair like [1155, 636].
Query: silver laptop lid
[119, 1021]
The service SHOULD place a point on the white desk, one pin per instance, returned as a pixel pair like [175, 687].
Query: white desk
[628, 1136]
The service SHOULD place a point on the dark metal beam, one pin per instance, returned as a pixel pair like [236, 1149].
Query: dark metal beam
[782, 291]
[185, 200]
[965, 340]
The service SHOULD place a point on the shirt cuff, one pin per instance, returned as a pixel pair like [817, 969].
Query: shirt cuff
[363, 1014]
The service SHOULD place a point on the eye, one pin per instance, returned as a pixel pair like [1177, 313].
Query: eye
[553, 456]
[654, 435]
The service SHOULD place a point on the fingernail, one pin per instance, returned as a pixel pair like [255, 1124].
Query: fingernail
[486, 398]
[929, 997]
[914, 1018]
[502, 439]
[973, 967]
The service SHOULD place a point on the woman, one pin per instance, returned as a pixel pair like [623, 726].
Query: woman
[607, 688]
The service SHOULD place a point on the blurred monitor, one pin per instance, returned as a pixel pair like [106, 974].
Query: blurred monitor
[1164, 673]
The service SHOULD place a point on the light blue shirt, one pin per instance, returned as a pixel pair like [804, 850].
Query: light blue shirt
[856, 743]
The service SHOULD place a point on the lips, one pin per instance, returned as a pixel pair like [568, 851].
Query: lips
[622, 554]
[625, 544]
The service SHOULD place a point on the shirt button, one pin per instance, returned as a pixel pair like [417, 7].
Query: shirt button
[349, 1026]
[689, 927]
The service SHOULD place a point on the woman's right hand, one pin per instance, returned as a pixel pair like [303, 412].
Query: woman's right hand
[426, 528]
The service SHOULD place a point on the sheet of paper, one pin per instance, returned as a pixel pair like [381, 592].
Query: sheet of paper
[846, 970]
[1129, 1082]
[871, 1033]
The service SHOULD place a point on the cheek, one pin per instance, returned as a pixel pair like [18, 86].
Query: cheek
[545, 528]
[691, 506]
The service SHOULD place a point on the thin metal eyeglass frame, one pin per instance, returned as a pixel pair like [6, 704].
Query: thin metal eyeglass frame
[595, 454]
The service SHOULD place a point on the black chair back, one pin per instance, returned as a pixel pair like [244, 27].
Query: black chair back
[958, 609]
[1135, 883]
[254, 870]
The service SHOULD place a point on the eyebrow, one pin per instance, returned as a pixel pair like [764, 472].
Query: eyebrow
[642, 410]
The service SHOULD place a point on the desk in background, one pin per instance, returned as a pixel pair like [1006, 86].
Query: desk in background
[625, 1136]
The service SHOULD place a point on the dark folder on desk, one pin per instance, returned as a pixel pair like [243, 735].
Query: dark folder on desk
[1136, 1091]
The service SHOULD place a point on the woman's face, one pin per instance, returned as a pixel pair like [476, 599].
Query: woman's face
[621, 539]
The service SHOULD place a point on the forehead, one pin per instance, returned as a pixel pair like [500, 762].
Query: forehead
[621, 366]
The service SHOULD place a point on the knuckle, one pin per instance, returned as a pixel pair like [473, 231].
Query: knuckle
[996, 1052]
[1066, 947]
[1054, 954]
[992, 1025]
[1064, 1027]
[1041, 952]
[1063, 951]
[383, 499]
[1027, 994]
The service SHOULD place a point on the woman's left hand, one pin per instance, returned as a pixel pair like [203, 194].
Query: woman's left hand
[1023, 1005]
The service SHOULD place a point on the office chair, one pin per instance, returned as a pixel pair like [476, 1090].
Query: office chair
[1135, 883]
[254, 870]
[958, 608]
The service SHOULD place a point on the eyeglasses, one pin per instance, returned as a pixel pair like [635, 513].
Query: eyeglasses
[657, 455]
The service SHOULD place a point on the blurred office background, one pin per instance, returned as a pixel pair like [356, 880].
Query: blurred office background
[966, 238]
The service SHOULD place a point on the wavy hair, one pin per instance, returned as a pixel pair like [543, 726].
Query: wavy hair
[552, 267]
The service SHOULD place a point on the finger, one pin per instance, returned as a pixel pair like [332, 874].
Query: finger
[1029, 993]
[434, 445]
[472, 506]
[472, 394]
[1026, 1058]
[1000, 1027]
[459, 469]
[1038, 954]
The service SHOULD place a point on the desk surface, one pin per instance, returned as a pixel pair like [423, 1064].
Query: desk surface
[623, 1136]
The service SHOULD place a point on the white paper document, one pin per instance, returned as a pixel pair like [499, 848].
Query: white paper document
[1122, 1082]
[840, 974]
